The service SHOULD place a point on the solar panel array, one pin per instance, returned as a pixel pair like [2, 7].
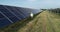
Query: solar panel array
[11, 14]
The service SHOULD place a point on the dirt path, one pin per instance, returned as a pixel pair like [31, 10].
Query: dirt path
[36, 25]
[44, 22]
[51, 24]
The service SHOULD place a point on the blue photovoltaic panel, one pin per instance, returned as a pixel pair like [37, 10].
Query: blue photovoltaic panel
[20, 14]
[13, 14]
[8, 14]
[23, 11]
[3, 21]
[15, 11]
[35, 11]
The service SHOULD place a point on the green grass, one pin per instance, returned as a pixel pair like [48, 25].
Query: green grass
[55, 21]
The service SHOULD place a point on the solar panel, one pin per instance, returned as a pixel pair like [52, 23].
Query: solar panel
[10, 14]
[1, 16]
[23, 11]
[15, 11]
[20, 12]
[3, 21]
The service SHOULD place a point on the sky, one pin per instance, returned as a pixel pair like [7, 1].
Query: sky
[36, 4]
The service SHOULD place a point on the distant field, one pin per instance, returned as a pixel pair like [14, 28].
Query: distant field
[43, 22]
[54, 22]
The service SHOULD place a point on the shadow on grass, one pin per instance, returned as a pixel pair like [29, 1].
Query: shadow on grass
[17, 25]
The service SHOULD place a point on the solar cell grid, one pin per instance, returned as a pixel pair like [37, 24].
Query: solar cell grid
[15, 12]
[10, 14]
[1, 16]
[19, 12]
[23, 11]
[3, 21]
[6, 17]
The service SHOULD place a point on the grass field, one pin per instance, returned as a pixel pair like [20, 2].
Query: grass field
[43, 22]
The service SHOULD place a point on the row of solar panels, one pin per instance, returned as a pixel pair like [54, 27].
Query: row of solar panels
[10, 14]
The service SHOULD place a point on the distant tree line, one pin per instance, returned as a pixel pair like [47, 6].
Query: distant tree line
[43, 9]
[56, 10]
